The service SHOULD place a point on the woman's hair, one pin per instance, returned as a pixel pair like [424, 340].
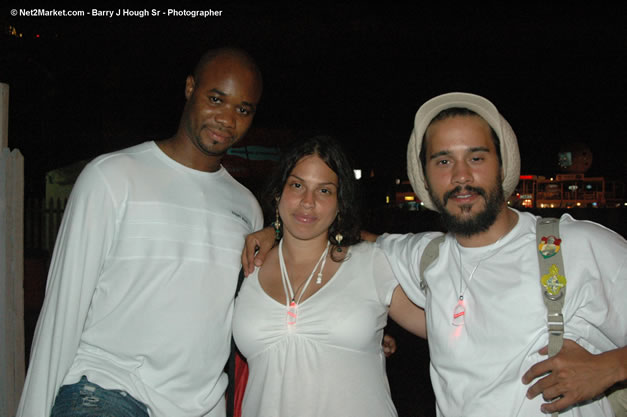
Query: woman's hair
[347, 221]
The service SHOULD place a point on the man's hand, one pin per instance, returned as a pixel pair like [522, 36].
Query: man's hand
[260, 242]
[389, 345]
[575, 375]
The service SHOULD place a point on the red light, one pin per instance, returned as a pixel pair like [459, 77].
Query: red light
[37, 35]
[526, 177]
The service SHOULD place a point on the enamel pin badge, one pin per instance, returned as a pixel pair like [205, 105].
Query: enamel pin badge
[549, 246]
[553, 282]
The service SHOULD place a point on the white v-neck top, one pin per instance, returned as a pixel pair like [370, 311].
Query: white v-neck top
[330, 363]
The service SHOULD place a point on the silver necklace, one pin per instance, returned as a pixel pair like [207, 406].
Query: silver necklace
[459, 312]
[290, 297]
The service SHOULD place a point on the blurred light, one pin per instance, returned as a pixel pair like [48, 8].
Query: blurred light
[397, 181]
[387, 199]
[578, 204]
[526, 177]
[409, 198]
[357, 173]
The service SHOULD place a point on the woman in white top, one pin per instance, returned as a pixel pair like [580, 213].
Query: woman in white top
[310, 320]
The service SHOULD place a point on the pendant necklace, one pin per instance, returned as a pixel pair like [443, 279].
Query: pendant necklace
[459, 312]
[290, 297]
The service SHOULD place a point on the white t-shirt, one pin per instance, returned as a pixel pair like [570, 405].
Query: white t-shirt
[140, 290]
[476, 369]
[330, 363]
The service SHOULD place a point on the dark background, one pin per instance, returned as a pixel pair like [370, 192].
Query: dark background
[81, 86]
[88, 85]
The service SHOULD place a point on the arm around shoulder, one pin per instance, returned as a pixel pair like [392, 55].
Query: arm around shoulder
[403, 253]
[256, 247]
[406, 314]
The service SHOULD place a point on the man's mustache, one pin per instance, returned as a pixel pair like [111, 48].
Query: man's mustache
[468, 188]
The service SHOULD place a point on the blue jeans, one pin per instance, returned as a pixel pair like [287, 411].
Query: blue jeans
[85, 399]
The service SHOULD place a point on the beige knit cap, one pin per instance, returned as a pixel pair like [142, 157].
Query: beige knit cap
[484, 108]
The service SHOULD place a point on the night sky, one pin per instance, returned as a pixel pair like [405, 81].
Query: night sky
[89, 85]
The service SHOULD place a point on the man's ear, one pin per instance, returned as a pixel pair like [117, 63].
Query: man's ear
[190, 84]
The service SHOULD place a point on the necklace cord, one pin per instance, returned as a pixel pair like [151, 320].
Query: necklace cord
[461, 269]
[287, 286]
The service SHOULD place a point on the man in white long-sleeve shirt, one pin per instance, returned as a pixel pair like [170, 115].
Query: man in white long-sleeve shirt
[137, 315]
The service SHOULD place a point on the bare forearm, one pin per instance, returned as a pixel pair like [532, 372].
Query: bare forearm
[407, 315]
[616, 361]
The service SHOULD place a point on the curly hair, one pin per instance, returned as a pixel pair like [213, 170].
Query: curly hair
[347, 221]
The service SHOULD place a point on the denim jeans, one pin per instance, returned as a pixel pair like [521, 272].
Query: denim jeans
[85, 399]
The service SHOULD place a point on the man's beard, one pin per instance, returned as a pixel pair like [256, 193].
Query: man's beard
[481, 221]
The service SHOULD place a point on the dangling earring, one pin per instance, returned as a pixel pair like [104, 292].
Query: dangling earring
[339, 239]
[338, 236]
[277, 222]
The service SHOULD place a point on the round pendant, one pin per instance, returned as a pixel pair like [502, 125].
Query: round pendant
[458, 313]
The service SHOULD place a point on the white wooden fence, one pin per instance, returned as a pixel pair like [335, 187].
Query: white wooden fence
[12, 362]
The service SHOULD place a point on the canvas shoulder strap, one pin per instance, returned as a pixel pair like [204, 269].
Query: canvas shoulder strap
[430, 254]
[552, 278]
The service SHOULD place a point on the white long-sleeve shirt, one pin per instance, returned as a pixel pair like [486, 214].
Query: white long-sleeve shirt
[140, 289]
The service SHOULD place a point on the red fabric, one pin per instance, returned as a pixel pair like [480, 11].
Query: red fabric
[241, 377]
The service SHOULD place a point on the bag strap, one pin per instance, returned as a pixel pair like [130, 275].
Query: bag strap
[430, 254]
[552, 280]
[230, 396]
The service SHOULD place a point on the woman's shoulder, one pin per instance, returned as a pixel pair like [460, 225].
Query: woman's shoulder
[364, 248]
